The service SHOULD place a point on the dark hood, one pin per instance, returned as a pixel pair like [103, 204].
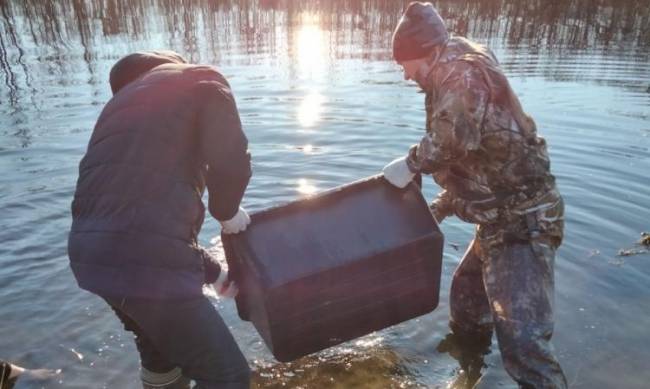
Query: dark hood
[134, 65]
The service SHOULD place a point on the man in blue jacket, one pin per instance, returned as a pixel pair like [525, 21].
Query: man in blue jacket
[171, 130]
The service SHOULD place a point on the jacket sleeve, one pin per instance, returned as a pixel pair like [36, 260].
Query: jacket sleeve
[224, 149]
[442, 206]
[211, 267]
[454, 123]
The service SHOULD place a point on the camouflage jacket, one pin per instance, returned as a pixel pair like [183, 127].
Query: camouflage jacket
[479, 145]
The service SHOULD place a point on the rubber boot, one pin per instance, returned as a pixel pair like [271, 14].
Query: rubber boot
[172, 379]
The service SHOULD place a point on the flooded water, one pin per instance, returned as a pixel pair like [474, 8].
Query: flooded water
[322, 105]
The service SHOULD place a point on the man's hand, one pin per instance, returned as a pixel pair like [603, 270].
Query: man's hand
[398, 173]
[439, 210]
[237, 224]
[42, 374]
[225, 287]
[37, 374]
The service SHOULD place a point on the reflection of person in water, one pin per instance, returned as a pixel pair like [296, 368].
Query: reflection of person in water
[9, 374]
[469, 353]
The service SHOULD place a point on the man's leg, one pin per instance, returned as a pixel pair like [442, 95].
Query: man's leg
[468, 303]
[192, 335]
[157, 371]
[520, 285]
[470, 317]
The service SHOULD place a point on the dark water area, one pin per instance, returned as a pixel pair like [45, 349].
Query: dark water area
[323, 104]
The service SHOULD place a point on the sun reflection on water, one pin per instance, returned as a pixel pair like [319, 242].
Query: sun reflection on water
[309, 50]
[304, 187]
[309, 110]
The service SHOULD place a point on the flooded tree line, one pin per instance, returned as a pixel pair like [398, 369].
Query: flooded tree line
[51, 29]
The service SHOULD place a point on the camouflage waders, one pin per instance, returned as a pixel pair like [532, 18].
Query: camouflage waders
[505, 283]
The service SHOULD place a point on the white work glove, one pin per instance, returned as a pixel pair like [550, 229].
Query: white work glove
[224, 287]
[398, 173]
[237, 224]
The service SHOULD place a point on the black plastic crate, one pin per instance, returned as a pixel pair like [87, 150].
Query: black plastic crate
[320, 271]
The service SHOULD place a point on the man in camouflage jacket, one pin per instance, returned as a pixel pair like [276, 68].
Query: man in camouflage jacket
[483, 150]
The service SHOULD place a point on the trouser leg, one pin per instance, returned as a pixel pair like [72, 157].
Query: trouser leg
[520, 286]
[470, 317]
[157, 371]
[468, 303]
[192, 336]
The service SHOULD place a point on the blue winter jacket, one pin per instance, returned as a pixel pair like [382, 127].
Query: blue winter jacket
[170, 130]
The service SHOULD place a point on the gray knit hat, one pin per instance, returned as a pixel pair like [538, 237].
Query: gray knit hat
[418, 31]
